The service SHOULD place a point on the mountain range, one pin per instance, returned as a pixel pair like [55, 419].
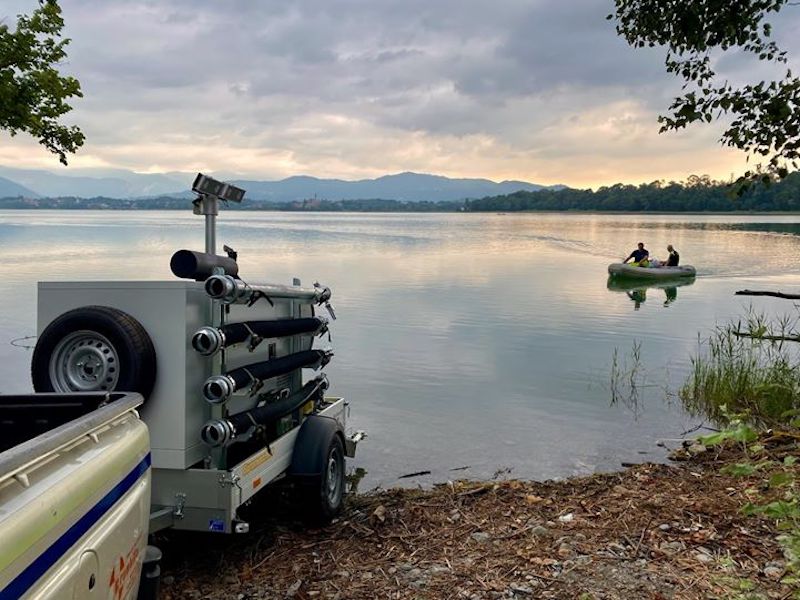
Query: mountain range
[120, 183]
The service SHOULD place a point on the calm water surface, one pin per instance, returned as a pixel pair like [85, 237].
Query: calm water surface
[463, 340]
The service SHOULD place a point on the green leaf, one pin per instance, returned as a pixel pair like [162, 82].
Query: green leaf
[789, 460]
[744, 433]
[751, 509]
[713, 439]
[739, 470]
[779, 479]
[781, 510]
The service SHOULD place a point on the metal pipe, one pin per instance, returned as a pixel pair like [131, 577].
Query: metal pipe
[210, 340]
[211, 234]
[218, 388]
[221, 432]
[209, 208]
[231, 290]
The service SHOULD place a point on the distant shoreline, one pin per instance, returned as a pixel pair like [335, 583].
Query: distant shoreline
[699, 195]
[588, 211]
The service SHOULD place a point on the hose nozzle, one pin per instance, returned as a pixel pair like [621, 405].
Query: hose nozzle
[217, 433]
[218, 388]
[222, 287]
[208, 340]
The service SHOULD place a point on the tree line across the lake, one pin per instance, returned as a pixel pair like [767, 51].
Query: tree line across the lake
[696, 194]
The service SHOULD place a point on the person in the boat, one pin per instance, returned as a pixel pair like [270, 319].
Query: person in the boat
[639, 256]
[674, 257]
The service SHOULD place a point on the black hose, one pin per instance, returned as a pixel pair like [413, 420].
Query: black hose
[275, 410]
[210, 340]
[188, 264]
[276, 367]
[237, 332]
[220, 432]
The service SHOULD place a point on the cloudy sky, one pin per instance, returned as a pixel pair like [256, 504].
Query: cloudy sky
[537, 90]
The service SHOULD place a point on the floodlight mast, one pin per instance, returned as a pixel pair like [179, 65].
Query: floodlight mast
[210, 192]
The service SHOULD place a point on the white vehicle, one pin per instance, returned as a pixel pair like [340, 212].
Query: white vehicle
[74, 497]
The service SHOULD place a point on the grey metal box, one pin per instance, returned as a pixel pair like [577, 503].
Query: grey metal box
[171, 312]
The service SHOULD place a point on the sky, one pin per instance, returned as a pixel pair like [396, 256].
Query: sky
[535, 90]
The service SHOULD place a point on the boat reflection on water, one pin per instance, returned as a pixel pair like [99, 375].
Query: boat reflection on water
[637, 290]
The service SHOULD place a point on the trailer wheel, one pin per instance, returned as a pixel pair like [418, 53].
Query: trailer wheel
[94, 349]
[322, 495]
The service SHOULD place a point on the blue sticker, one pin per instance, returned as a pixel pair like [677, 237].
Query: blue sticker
[216, 525]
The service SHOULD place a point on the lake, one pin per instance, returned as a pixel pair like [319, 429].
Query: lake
[462, 340]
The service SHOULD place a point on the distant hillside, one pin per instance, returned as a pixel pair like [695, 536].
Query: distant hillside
[11, 189]
[697, 194]
[89, 183]
[404, 187]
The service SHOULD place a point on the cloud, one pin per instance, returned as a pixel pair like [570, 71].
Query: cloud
[537, 90]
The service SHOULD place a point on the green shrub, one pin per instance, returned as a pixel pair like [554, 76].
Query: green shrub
[752, 370]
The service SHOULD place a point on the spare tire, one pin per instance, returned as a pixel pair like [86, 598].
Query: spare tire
[94, 349]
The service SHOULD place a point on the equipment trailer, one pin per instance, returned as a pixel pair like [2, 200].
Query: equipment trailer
[219, 363]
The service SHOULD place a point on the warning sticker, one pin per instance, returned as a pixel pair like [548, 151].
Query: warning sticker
[258, 459]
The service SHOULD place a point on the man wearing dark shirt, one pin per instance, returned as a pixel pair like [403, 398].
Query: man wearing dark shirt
[674, 257]
[638, 255]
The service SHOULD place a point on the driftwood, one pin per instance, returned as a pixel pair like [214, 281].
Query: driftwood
[768, 293]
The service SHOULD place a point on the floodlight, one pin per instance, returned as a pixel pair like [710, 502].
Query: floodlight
[208, 186]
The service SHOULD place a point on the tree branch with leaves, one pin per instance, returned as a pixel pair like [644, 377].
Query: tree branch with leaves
[764, 116]
[33, 93]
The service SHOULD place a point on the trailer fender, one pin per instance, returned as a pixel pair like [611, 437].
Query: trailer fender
[311, 445]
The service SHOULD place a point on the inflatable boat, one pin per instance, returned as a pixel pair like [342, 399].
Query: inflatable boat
[631, 272]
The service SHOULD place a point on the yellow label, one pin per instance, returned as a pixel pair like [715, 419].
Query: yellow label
[255, 462]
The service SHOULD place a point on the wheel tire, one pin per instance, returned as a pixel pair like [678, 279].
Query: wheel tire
[322, 496]
[94, 349]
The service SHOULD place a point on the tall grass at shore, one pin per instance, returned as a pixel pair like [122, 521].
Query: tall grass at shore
[749, 374]
[752, 368]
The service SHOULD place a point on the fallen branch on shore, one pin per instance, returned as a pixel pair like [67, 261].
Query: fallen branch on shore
[767, 293]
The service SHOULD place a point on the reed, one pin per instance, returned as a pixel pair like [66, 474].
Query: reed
[751, 368]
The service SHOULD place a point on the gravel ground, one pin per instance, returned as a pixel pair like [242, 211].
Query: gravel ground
[650, 532]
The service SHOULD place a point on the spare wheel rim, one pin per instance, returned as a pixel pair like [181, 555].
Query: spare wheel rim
[84, 361]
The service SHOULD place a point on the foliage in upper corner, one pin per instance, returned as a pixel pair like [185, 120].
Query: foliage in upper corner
[765, 115]
[33, 92]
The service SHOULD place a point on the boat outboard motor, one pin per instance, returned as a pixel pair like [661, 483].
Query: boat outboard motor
[220, 432]
[188, 264]
[218, 388]
[210, 340]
